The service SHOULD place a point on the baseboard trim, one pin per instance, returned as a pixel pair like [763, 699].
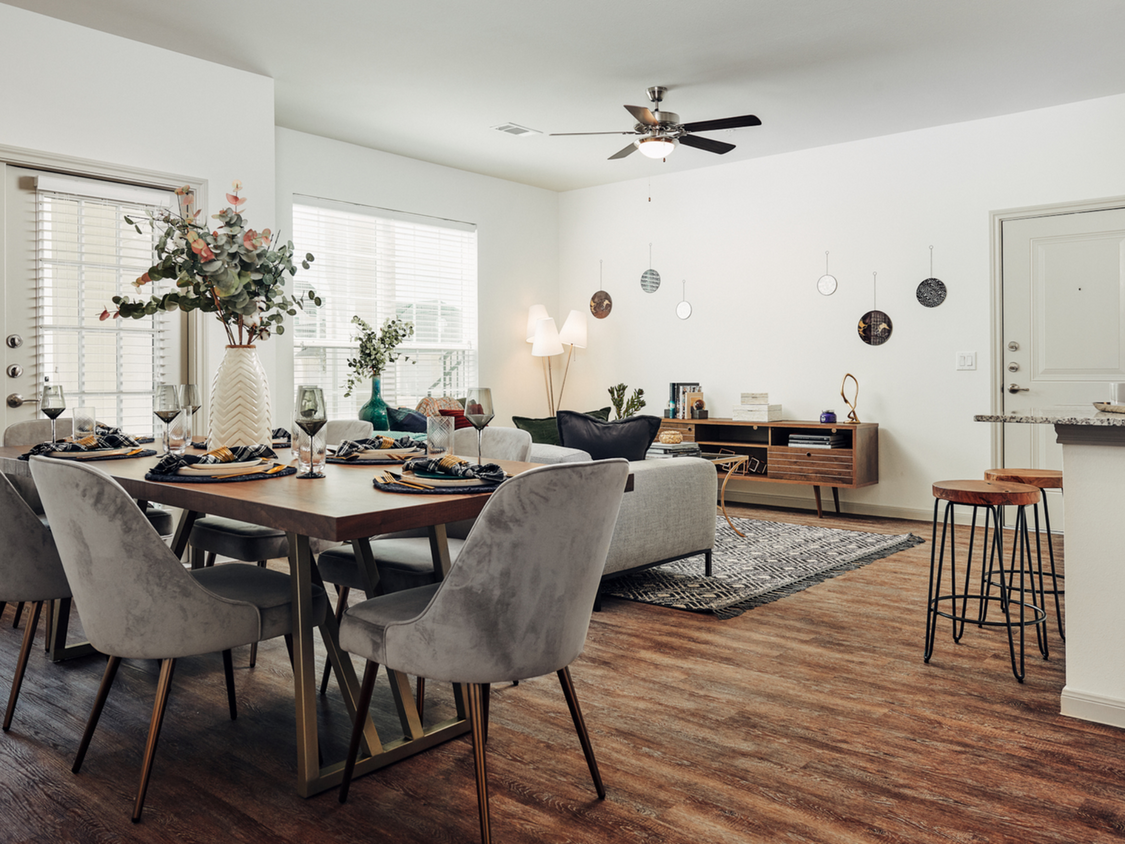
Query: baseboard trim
[857, 508]
[1087, 706]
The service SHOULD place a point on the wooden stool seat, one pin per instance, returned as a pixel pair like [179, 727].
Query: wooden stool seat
[1042, 478]
[986, 493]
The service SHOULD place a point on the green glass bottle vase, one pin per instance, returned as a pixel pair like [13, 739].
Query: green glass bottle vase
[375, 409]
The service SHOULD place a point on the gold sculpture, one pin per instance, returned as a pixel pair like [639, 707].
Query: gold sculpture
[852, 418]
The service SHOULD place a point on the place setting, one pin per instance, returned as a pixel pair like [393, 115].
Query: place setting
[89, 440]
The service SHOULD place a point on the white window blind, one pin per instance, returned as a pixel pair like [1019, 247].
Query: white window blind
[384, 264]
[85, 255]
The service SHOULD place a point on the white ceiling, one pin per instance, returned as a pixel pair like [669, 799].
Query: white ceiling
[429, 78]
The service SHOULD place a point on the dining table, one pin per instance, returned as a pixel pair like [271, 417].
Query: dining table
[344, 506]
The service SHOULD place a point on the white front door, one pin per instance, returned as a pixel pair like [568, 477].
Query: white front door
[17, 271]
[1064, 324]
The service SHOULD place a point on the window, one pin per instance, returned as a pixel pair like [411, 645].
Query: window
[85, 255]
[381, 264]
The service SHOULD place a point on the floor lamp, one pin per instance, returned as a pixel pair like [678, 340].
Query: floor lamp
[545, 344]
[573, 334]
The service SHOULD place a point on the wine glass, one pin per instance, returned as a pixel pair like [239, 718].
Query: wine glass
[478, 410]
[52, 404]
[189, 399]
[166, 406]
[309, 417]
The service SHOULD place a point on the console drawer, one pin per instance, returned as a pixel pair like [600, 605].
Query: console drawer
[824, 466]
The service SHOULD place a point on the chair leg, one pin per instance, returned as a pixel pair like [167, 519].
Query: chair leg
[21, 664]
[16, 617]
[707, 553]
[477, 726]
[341, 605]
[96, 712]
[580, 727]
[49, 625]
[420, 695]
[158, 707]
[253, 645]
[228, 672]
[362, 705]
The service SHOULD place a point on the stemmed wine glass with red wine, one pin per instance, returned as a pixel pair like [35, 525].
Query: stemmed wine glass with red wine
[52, 403]
[478, 410]
[166, 406]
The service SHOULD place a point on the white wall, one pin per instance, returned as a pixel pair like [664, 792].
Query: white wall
[749, 239]
[517, 246]
[107, 101]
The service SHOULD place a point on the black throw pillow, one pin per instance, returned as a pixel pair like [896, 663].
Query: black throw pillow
[405, 419]
[546, 430]
[628, 438]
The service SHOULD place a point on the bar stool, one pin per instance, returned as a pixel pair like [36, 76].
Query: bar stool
[993, 496]
[1043, 479]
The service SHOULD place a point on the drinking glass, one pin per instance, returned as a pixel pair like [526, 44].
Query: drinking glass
[52, 404]
[478, 410]
[189, 399]
[166, 406]
[310, 417]
[439, 436]
[85, 423]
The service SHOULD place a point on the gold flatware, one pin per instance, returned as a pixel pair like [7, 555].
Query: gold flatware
[134, 451]
[256, 471]
[388, 478]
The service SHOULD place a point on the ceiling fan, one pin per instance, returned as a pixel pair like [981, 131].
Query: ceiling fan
[659, 132]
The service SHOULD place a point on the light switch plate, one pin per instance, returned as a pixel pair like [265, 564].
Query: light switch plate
[966, 361]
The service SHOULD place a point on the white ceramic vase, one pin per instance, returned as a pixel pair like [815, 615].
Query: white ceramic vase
[240, 401]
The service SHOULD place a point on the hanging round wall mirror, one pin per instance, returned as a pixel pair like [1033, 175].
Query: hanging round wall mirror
[826, 284]
[650, 278]
[683, 310]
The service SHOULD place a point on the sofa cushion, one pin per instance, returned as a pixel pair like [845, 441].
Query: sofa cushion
[627, 438]
[432, 405]
[458, 416]
[546, 430]
[405, 419]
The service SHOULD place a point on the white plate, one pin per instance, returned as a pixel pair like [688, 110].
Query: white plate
[436, 482]
[1109, 407]
[221, 468]
[387, 452]
[105, 452]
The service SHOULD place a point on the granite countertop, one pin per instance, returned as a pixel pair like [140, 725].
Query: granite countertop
[1068, 415]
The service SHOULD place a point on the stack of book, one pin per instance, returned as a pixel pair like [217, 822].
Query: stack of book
[680, 395]
[756, 407]
[818, 440]
[660, 450]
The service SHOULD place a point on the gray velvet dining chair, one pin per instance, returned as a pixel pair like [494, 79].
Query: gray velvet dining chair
[404, 558]
[516, 603]
[30, 571]
[136, 600]
[215, 536]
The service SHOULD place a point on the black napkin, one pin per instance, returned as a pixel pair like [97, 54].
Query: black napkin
[281, 434]
[99, 443]
[116, 436]
[456, 467]
[350, 447]
[171, 463]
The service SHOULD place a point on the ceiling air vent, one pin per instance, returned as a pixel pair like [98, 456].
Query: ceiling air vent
[516, 129]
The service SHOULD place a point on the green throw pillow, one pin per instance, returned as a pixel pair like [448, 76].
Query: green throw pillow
[546, 430]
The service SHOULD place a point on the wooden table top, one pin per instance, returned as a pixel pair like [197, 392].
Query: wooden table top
[343, 505]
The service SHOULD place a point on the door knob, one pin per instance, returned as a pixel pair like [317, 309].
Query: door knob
[1016, 388]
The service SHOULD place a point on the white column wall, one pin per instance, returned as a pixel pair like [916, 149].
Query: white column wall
[750, 238]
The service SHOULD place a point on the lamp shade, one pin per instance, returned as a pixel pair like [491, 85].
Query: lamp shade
[656, 147]
[546, 340]
[574, 330]
[534, 314]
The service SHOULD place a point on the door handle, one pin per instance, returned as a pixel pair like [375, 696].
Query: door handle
[1016, 388]
[16, 400]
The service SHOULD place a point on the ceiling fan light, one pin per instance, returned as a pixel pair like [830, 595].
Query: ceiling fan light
[656, 147]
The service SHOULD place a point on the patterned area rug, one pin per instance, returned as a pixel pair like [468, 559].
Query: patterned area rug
[773, 561]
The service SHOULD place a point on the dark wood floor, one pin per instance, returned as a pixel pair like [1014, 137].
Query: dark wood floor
[812, 719]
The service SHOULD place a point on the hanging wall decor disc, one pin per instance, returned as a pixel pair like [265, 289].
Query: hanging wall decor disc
[931, 292]
[601, 304]
[650, 281]
[683, 310]
[826, 284]
[875, 328]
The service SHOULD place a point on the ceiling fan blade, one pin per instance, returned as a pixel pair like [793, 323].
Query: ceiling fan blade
[561, 134]
[642, 115]
[723, 123]
[624, 152]
[706, 144]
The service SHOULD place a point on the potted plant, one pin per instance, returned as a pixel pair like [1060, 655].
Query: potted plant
[377, 350]
[236, 273]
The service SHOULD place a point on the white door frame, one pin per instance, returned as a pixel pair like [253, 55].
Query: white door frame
[996, 344]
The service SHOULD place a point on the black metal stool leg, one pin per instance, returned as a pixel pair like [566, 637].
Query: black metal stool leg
[1055, 577]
